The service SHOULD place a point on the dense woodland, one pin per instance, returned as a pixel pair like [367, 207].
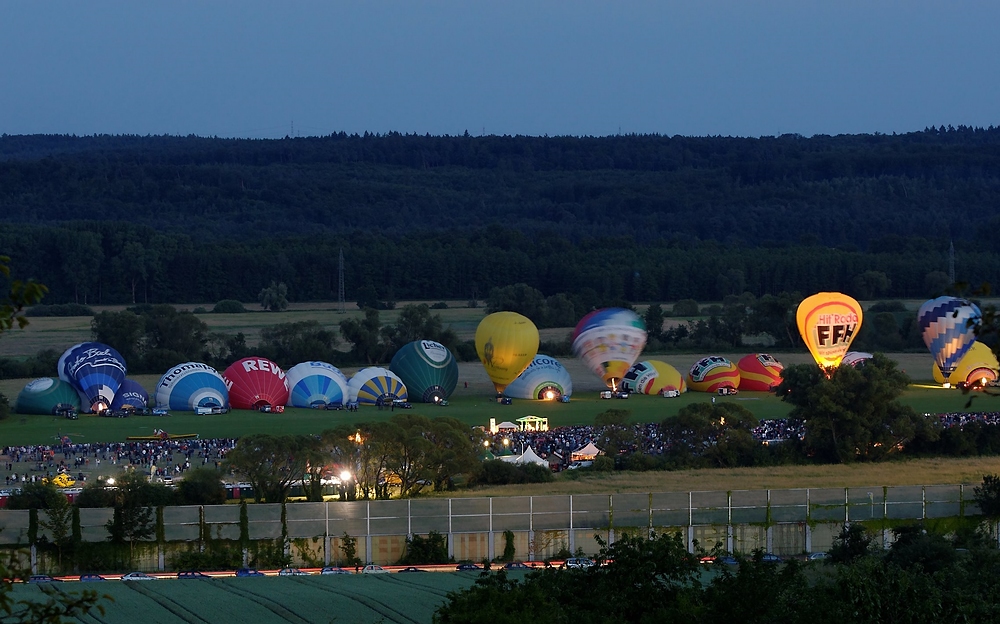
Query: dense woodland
[123, 219]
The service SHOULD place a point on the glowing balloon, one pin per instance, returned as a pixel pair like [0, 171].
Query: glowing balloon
[828, 322]
[191, 385]
[256, 382]
[653, 377]
[131, 394]
[759, 372]
[609, 341]
[316, 384]
[428, 370]
[47, 396]
[979, 364]
[545, 379]
[712, 373]
[506, 343]
[95, 370]
[948, 328]
[855, 358]
[376, 386]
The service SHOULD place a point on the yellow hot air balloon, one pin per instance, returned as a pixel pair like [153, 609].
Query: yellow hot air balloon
[506, 343]
[977, 368]
[828, 322]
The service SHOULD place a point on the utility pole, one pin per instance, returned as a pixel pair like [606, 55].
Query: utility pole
[340, 285]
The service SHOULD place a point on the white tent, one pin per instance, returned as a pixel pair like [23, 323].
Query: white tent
[587, 453]
[528, 457]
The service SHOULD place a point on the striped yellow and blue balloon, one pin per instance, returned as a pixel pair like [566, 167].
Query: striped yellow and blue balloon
[376, 385]
[316, 384]
[947, 325]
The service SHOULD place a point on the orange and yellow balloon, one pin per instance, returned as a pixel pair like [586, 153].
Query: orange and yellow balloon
[828, 322]
[506, 343]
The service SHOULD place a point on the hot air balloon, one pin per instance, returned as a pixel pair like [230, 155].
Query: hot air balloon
[653, 377]
[948, 328]
[131, 394]
[828, 322]
[609, 341]
[316, 384]
[47, 395]
[855, 358]
[95, 370]
[191, 385]
[713, 373]
[506, 343]
[545, 379]
[428, 370]
[759, 372]
[376, 386]
[256, 382]
[978, 368]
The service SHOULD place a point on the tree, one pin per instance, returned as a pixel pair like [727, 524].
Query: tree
[853, 542]
[201, 486]
[614, 435]
[133, 511]
[365, 334]
[269, 463]
[274, 297]
[18, 296]
[58, 521]
[854, 414]
[654, 321]
[125, 331]
[416, 322]
[519, 298]
[301, 341]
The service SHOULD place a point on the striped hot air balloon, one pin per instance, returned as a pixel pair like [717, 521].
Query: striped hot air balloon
[947, 325]
[255, 383]
[191, 385]
[316, 384]
[376, 386]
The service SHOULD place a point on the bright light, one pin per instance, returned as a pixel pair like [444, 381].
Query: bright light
[345, 476]
[437, 399]
[356, 438]
[549, 395]
[110, 481]
[486, 443]
[506, 442]
[947, 384]
[99, 407]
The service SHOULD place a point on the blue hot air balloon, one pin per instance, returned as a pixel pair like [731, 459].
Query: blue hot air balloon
[545, 379]
[95, 370]
[131, 394]
[191, 385]
[376, 386]
[316, 384]
[948, 328]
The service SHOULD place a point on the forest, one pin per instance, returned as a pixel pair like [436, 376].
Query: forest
[131, 219]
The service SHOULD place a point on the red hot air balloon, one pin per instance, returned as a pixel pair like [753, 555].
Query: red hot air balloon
[256, 382]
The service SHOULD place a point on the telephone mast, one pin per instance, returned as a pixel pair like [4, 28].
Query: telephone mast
[340, 285]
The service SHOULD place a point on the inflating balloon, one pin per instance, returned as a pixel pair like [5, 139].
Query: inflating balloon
[713, 373]
[759, 372]
[506, 343]
[947, 325]
[191, 385]
[255, 383]
[47, 396]
[545, 379]
[828, 322]
[376, 386]
[316, 384]
[95, 370]
[609, 341]
[653, 377]
[979, 367]
[428, 370]
[131, 394]
[855, 358]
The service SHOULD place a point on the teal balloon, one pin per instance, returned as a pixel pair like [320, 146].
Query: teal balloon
[46, 396]
[428, 369]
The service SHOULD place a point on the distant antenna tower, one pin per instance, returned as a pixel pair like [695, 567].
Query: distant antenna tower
[340, 285]
[293, 128]
[951, 262]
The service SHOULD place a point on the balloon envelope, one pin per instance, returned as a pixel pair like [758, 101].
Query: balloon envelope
[828, 322]
[855, 358]
[506, 343]
[545, 379]
[948, 329]
[47, 395]
[712, 373]
[428, 370]
[95, 370]
[316, 384]
[255, 382]
[759, 372]
[977, 365]
[653, 377]
[609, 341]
[192, 384]
[131, 394]
[375, 385]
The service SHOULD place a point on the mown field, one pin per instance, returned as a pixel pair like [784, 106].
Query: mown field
[402, 598]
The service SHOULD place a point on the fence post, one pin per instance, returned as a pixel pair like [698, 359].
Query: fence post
[611, 519]
[729, 522]
[572, 533]
[326, 534]
[769, 531]
[451, 536]
[649, 532]
[690, 527]
[491, 548]
[368, 532]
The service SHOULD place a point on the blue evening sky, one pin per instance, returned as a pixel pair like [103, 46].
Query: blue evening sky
[701, 67]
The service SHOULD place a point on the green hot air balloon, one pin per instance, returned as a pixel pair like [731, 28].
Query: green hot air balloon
[428, 369]
[47, 395]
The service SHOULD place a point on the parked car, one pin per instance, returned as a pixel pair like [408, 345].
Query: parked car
[578, 563]
[516, 565]
[292, 572]
[137, 576]
[771, 558]
[373, 569]
[817, 556]
[191, 574]
[91, 578]
[42, 578]
[242, 572]
[726, 560]
[467, 567]
[334, 570]
[411, 569]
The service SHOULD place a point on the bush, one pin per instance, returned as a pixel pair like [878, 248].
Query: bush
[603, 463]
[229, 306]
[685, 307]
[425, 550]
[60, 309]
[199, 310]
[499, 472]
[440, 305]
[215, 557]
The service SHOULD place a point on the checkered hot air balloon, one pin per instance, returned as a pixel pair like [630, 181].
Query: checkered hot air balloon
[948, 328]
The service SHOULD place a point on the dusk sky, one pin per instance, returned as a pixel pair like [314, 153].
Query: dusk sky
[253, 69]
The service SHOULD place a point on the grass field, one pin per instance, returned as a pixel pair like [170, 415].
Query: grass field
[406, 598]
